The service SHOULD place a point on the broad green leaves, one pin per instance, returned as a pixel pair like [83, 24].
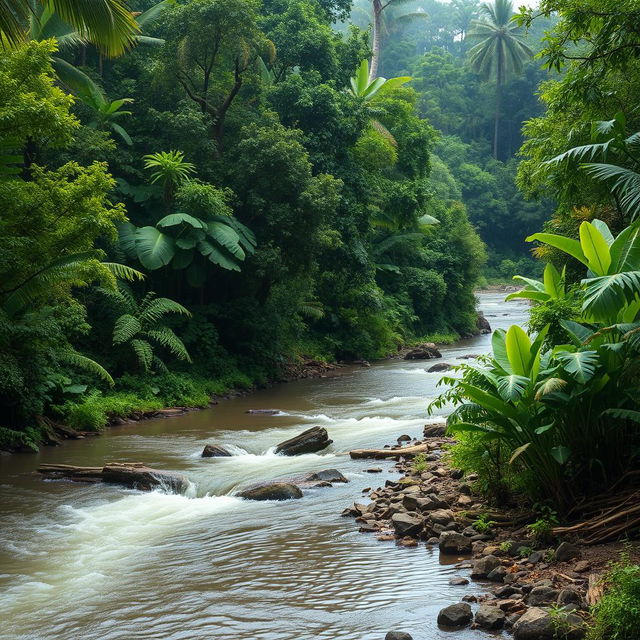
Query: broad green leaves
[361, 87]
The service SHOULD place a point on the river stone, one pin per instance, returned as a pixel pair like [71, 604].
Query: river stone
[483, 324]
[453, 542]
[482, 567]
[567, 551]
[441, 516]
[436, 430]
[542, 595]
[326, 475]
[441, 366]
[215, 451]
[488, 617]
[424, 351]
[569, 595]
[309, 441]
[272, 491]
[398, 635]
[497, 574]
[406, 525]
[455, 615]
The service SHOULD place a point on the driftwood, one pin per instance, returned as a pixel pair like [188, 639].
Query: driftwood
[407, 452]
[134, 475]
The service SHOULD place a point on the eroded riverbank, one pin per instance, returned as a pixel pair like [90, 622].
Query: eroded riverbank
[99, 562]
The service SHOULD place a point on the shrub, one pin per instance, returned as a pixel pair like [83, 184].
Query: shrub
[617, 615]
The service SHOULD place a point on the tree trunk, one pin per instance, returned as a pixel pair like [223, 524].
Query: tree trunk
[377, 28]
[407, 452]
[496, 124]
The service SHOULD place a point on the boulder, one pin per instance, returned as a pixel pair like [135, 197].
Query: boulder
[406, 525]
[542, 595]
[309, 441]
[569, 596]
[567, 551]
[538, 624]
[497, 574]
[441, 516]
[436, 430]
[398, 635]
[458, 581]
[441, 366]
[488, 617]
[455, 615]
[452, 542]
[424, 351]
[483, 324]
[404, 438]
[482, 567]
[215, 451]
[325, 475]
[272, 491]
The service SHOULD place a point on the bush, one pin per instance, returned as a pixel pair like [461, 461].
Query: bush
[617, 615]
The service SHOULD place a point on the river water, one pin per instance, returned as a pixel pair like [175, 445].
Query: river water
[89, 562]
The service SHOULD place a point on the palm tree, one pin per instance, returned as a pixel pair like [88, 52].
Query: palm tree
[501, 50]
[106, 23]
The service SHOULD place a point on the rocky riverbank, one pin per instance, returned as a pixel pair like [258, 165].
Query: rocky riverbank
[535, 590]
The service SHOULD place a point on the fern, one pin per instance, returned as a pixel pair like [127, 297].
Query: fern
[144, 352]
[125, 328]
[82, 362]
[153, 310]
[167, 338]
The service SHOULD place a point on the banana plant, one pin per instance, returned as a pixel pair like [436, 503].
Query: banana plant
[552, 286]
[612, 286]
[362, 87]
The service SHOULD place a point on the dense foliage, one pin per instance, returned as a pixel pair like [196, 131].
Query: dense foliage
[221, 200]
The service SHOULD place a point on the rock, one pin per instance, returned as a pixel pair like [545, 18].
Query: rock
[569, 596]
[441, 516]
[406, 525]
[424, 351]
[469, 598]
[436, 430]
[538, 624]
[452, 542]
[215, 451]
[582, 566]
[404, 438]
[497, 574]
[309, 441]
[541, 596]
[488, 617]
[456, 474]
[455, 615]
[482, 567]
[272, 491]
[398, 635]
[483, 324]
[264, 412]
[326, 475]
[458, 581]
[567, 551]
[373, 470]
[441, 366]
[535, 557]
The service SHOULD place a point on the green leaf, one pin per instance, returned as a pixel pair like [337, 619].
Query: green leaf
[553, 283]
[595, 249]
[174, 219]
[125, 327]
[577, 331]
[511, 388]
[518, 452]
[625, 250]
[568, 245]
[498, 343]
[154, 248]
[518, 350]
[227, 237]
[560, 454]
[581, 365]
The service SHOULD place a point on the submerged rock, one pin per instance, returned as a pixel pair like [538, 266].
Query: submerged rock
[215, 451]
[441, 366]
[309, 441]
[272, 491]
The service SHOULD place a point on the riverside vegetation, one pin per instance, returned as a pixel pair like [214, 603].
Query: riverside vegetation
[198, 195]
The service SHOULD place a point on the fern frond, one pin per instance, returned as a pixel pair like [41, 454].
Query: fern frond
[144, 353]
[123, 272]
[125, 327]
[155, 309]
[76, 359]
[167, 338]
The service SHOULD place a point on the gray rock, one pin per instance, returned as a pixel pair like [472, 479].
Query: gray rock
[215, 451]
[398, 635]
[424, 351]
[326, 475]
[272, 491]
[535, 557]
[538, 624]
[406, 525]
[569, 596]
[441, 516]
[455, 615]
[309, 441]
[488, 617]
[453, 542]
[434, 430]
[541, 596]
[482, 567]
[458, 581]
[497, 574]
[483, 324]
[441, 366]
[566, 552]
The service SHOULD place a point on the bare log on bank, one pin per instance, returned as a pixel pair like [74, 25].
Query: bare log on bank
[406, 452]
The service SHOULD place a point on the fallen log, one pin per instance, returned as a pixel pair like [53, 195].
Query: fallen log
[407, 452]
[134, 475]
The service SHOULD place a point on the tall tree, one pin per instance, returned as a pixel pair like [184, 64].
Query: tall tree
[501, 50]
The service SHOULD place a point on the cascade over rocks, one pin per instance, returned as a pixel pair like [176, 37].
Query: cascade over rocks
[309, 441]
[272, 491]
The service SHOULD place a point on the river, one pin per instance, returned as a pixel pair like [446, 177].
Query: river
[95, 562]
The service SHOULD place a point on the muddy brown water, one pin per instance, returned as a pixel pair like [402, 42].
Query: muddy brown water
[93, 562]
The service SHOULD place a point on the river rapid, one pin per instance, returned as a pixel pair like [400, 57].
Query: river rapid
[89, 562]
